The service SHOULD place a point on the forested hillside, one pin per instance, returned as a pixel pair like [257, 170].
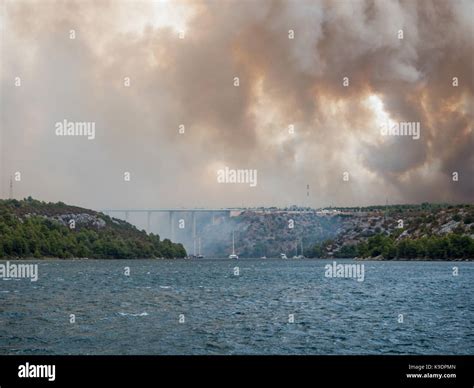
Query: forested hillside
[31, 228]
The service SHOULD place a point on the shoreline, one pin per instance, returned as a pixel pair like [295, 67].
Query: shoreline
[415, 259]
[4, 259]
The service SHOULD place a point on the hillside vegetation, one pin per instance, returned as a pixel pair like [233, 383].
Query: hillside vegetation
[426, 231]
[31, 228]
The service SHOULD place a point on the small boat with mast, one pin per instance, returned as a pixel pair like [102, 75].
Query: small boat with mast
[197, 255]
[233, 255]
[300, 256]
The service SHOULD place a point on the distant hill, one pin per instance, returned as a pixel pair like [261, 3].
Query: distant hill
[267, 232]
[426, 231]
[434, 231]
[31, 228]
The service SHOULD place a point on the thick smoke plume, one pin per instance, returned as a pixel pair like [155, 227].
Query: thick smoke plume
[282, 82]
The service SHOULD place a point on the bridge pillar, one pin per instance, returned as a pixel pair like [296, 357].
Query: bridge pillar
[193, 214]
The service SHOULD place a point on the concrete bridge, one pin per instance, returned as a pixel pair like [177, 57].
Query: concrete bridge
[185, 230]
[172, 215]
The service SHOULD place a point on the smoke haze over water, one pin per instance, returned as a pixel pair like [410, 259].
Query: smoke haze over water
[282, 82]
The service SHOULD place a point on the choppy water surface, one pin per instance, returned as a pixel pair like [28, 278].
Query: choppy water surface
[245, 314]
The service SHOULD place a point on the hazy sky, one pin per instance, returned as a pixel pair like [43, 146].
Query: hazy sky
[182, 57]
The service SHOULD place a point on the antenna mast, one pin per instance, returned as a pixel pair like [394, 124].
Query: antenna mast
[10, 195]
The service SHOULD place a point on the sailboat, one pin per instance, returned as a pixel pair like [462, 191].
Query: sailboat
[296, 255]
[200, 256]
[300, 256]
[233, 255]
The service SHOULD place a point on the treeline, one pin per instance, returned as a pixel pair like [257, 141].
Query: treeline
[448, 247]
[39, 237]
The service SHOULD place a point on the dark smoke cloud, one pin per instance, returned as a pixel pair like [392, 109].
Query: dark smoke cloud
[190, 81]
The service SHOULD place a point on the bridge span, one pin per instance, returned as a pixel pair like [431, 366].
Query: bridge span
[172, 213]
[188, 216]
